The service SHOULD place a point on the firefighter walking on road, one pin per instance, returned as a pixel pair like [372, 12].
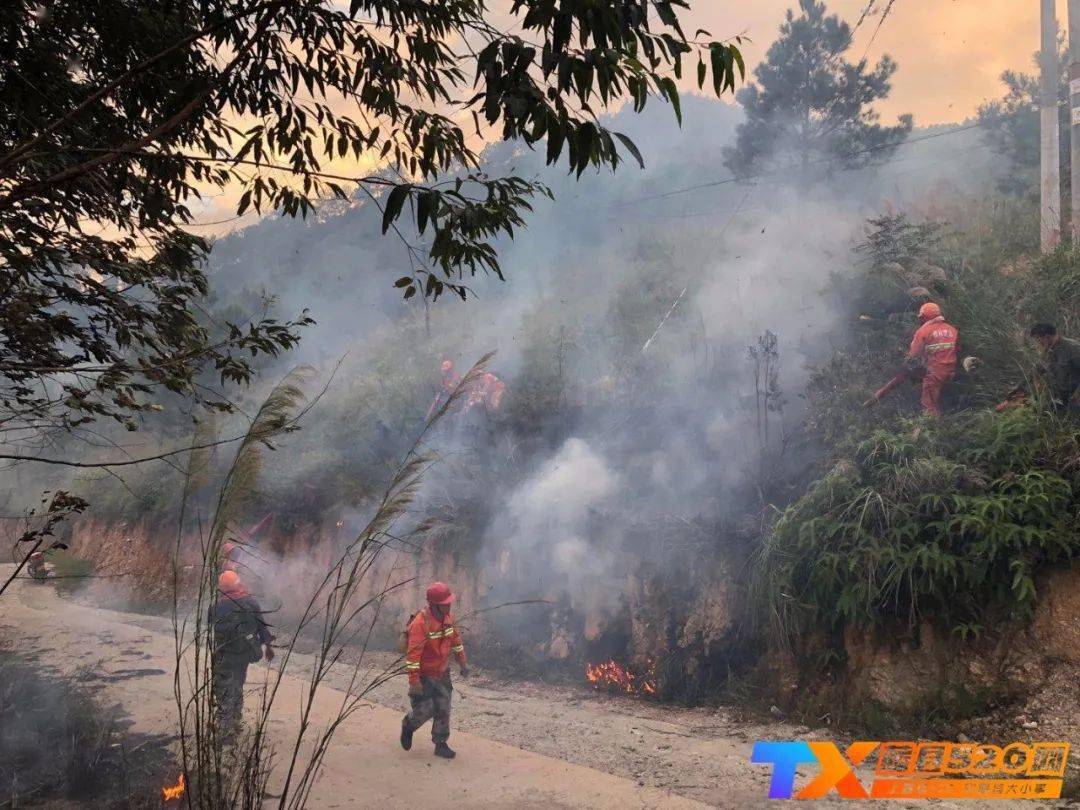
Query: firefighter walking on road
[935, 344]
[431, 638]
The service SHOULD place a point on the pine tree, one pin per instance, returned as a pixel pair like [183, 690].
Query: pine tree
[810, 110]
[1010, 127]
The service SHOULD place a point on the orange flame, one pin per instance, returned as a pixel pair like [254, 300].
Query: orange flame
[612, 675]
[174, 792]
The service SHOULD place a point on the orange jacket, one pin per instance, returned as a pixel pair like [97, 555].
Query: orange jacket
[936, 341]
[495, 388]
[430, 643]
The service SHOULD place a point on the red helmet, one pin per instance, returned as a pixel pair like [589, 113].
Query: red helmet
[928, 311]
[229, 583]
[438, 593]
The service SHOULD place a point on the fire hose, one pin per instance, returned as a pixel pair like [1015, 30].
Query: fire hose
[906, 374]
[1016, 397]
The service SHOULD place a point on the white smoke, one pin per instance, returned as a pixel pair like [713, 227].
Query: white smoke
[750, 259]
[551, 509]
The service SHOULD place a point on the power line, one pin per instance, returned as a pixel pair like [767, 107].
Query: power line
[881, 22]
[890, 169]
[788, 169]
[865, 13]
[214, 222]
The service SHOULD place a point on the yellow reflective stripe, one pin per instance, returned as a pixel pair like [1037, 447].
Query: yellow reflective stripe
[411, 665]
[449, 631]
[940, 345]
[458, 648]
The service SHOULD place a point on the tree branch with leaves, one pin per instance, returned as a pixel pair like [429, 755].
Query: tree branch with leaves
[118, 117]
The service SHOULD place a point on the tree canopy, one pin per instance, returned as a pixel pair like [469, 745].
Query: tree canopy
[809, 108]
[1011, 128]
[120, 115]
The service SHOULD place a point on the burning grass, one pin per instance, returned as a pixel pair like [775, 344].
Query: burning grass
[173, 792]
[614, 677]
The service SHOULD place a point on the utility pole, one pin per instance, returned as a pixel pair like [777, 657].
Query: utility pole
[1050, 185]
[1074, 105]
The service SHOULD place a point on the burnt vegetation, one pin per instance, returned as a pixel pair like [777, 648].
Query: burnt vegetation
[57, 743]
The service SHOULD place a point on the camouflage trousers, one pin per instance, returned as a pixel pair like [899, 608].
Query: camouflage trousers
[230, 673]
[433, 705]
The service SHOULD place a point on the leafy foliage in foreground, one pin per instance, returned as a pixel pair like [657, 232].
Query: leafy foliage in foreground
[118, 116]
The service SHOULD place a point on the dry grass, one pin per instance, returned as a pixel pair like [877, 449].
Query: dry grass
[132, 570]
[132, 566]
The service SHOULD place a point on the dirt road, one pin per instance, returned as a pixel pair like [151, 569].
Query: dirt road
[519, 746]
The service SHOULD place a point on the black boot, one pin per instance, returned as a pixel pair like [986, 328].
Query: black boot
[406, 734]
[445, 751]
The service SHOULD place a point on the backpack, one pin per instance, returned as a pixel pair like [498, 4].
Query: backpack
[237, 634]
[403, 636]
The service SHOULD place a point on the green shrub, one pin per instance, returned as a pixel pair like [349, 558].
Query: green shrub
[1054, 291]
[949, 520]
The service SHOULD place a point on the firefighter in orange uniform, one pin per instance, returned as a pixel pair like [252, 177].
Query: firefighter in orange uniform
[37, 568]
[485, 393]
[431, 638]
[935, 344]
[450, 380]
[494, 388]
[241, 637]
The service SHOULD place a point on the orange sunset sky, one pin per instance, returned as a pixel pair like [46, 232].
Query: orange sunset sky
[950, 52]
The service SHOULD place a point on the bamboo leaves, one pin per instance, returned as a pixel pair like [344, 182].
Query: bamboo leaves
[944, 523]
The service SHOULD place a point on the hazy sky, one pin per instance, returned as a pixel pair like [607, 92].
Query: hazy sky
[951, 52]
